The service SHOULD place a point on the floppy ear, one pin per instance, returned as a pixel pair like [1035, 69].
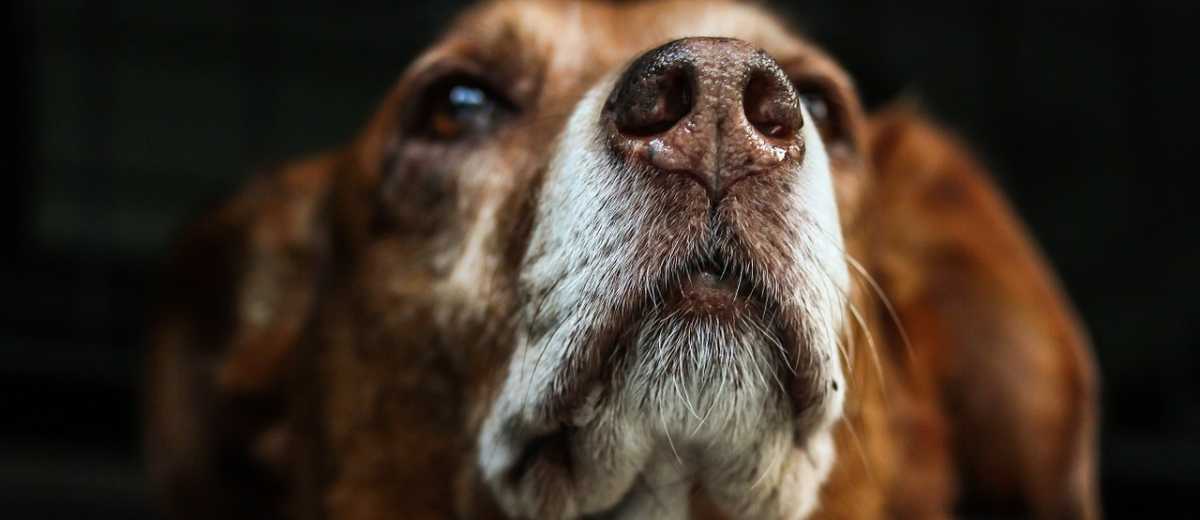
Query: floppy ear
[988, 321]
[238, 290]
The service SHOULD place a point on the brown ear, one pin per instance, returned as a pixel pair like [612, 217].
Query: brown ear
[988, 321]
[238, 290]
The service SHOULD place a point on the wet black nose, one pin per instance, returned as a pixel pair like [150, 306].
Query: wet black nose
[716, 109]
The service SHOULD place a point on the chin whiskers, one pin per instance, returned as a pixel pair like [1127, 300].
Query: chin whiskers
[667, 431]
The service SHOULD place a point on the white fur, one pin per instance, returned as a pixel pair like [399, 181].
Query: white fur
[692, 402]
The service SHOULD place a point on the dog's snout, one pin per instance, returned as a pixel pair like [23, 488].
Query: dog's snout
[715, 109]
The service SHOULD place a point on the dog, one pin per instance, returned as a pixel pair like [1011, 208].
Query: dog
[621, 260]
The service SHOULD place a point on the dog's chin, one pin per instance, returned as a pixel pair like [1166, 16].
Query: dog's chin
[695, 397]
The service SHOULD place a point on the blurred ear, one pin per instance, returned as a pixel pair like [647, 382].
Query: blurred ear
[238, 290]
[988, 321]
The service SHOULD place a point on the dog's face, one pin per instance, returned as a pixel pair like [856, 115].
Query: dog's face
[652, 219]
[594, 260]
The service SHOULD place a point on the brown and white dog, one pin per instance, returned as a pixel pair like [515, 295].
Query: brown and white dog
[631, 260]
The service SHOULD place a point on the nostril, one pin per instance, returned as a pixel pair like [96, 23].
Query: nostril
[771, 106]
[653, 103]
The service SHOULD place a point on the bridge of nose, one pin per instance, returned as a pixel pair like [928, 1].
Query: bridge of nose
[720, 79]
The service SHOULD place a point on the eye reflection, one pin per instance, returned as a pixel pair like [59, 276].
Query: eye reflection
[462, 95]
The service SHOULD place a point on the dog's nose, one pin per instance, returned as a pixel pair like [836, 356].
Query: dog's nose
[715, 109]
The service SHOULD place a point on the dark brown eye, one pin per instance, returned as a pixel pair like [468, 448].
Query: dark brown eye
[817, 105]
[825, 107]
[459, 108]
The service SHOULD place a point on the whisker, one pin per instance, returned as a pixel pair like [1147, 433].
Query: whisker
[778, 346]
[876, 288]
[711, 405]
[537, 311]
[887, 304]
[850, 345]
[762, 477]
[686, 399]
[663, 416]
[862, 453]
[537, 363]
[845, 357]
[871, 347]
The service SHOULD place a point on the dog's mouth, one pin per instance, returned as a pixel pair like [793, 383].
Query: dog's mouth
[711, 293]
[716, 290]
[705, 332]
[711, 287]
[710, 350]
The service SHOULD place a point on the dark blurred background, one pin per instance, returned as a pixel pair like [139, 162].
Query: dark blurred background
[131, 116]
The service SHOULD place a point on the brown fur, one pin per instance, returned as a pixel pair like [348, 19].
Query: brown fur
[310, 363]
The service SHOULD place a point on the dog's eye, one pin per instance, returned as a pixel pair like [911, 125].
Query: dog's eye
[824, 110]
[458, 108]
[817, 105]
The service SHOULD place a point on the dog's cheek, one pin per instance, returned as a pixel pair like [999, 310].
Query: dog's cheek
[416, 195]
[391, 407]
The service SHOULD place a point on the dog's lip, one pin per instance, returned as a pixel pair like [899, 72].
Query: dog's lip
[705, 289]
[708, 282]
[707, 285]
[708, 288]
[711, 275]
[708, 294]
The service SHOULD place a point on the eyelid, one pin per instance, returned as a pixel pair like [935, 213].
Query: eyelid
[478, 74]
[824, 85]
